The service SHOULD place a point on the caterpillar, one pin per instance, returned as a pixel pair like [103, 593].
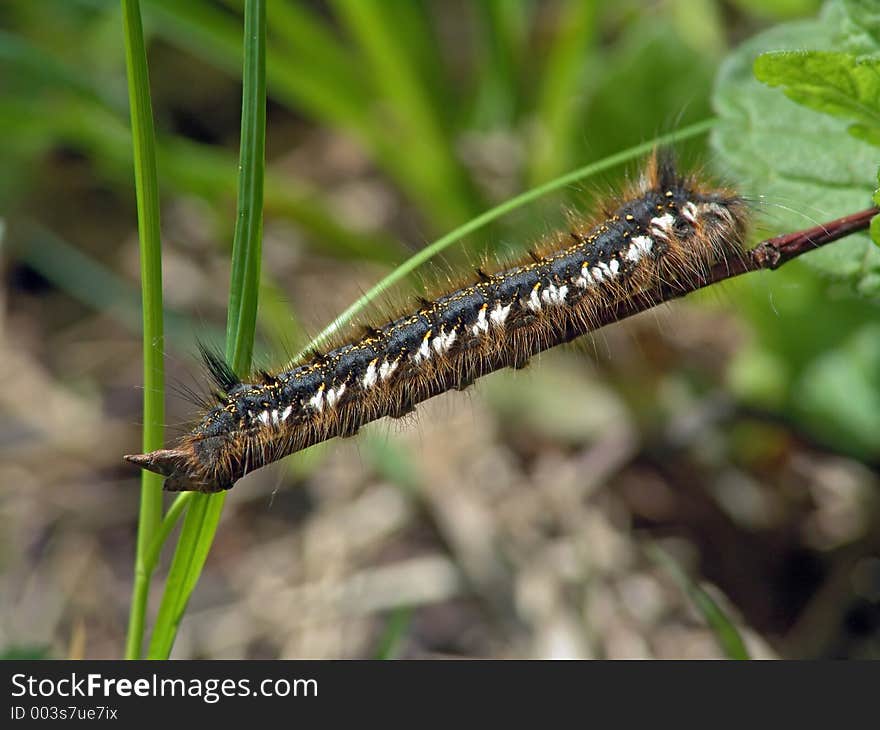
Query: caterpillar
[662, 234]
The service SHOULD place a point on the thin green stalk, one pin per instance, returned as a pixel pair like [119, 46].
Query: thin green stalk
[726, 634]
[395, 633]
[371, 23]
[498, 211]
[502, 25]
[147, 187]
[203, 512]
[561, 96]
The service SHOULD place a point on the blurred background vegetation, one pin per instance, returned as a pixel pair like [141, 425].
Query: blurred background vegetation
[739, 432]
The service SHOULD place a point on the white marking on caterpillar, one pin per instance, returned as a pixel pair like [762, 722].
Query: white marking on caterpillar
[481, 325]
[424, 351]
[444, 340]
[286, 413]
[718, 210]
[609, 269]
[662, 226]
[370, 377]
[689, 212]
[264, 417]
[333, 396]
[555, 295]
[640, 246]
[597, 274]
[534, 302]
[585, 279]
[275, 416]
[317, 400]
[499, 314]
[387, 368]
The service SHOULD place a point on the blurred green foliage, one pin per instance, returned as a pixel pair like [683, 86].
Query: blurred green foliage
[799, 156]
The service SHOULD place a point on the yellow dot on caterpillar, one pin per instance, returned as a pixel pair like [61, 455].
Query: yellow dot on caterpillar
[630, 217]
[668, 193]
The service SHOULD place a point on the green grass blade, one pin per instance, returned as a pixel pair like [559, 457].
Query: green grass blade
[203, 513]
[498, 211]
[96, 286]
[147, 188]
[381, 33]
[725, 631]
[204, 29]
[502, 28]
[560, 102]
[97, 121]
[394, 634]
[309, 37]
[247, 245]
[31, 64]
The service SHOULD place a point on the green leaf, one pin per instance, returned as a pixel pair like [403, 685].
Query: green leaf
[778, 9]
[840, 393]
[875, 222]
[193, 545]
[799, 165]
[834, 83]
[875, 230]
[864, 16]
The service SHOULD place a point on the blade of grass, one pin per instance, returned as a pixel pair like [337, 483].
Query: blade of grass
[414, 27]
[100, 123]
[494, 213]
[502, 25]
[379, 31]
[32, 65]
[394, 633]
[147, 190]
[726, 633]
[559, 104]
[89, 282]
[203, 512]
[194, 168]
[203, 29]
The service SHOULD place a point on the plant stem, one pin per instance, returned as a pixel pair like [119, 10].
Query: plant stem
[203, 512]
[147, 189]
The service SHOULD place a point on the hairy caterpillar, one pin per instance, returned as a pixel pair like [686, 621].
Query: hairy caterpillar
[666, 233]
